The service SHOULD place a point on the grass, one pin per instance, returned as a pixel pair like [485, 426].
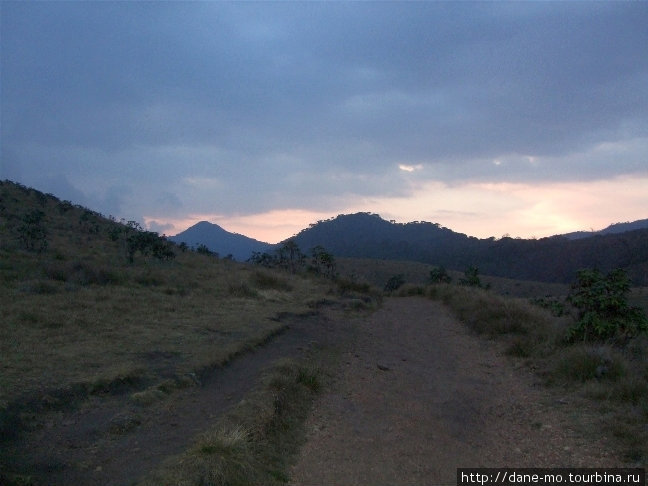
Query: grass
[378, 272]
[79, 316]
[254, 443]
[55, 338]
[78, 319]
[615, 378]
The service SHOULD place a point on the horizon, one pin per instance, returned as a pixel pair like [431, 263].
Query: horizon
[306, 226]
[528, 119]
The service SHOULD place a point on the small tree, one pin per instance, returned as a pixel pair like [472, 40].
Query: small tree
[148, 243]
[290, 256]
[439, 275]
[323, 262]
[263, 259]
[202, 249]
[472, 278]
[602, 305]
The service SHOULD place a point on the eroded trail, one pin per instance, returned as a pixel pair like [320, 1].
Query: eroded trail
[109, 440]
[417, 396]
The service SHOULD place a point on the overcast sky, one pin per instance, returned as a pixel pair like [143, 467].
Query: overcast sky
[527, 118]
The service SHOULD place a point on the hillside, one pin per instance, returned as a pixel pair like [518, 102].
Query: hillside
[115, 330]
[610, 230]
[220, 241]
[555, 259]
[84, 296]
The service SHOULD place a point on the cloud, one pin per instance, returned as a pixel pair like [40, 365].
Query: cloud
[170, 109]
[410, 168]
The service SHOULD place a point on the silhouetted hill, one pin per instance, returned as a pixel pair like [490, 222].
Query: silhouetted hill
[220, 241]
[612, 229]
[555, 259]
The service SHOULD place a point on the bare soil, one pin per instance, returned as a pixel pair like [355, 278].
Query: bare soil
[417, 396]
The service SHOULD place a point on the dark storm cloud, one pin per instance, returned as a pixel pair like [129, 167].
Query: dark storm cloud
[249, 106]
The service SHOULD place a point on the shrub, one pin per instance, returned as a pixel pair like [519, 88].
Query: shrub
[202, 249]
[323, 262]
[555, 306]
[472, 278]
[263, 259]
[31, 233]
[394, 283]
[147, 243]
[603, 310]
[82, 273]
[439, 275]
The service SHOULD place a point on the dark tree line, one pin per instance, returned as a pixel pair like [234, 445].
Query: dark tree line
[289, 257]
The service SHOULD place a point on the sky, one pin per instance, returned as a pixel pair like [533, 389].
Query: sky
[490, 118]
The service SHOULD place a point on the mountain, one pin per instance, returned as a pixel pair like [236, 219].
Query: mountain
[367, 235]
[221, 241]
[612, 229]
[555, 259]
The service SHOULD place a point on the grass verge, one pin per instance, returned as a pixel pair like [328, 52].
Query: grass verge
[255, 442]
[614, 378]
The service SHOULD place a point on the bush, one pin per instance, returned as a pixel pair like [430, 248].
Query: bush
[439, 275]
[603, 310]
[472, 278]
[555, 306]
[82, 273]
[32, 234]
[394, 283]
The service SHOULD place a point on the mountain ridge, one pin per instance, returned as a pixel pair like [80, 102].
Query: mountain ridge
[367, 235]
[550, 259]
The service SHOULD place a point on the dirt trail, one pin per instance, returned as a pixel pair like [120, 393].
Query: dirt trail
[417, 396]
[110, 441]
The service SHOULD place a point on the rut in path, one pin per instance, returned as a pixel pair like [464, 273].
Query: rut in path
[109, 441]
[417, 396]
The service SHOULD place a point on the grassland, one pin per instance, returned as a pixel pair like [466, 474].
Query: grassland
[79, 319]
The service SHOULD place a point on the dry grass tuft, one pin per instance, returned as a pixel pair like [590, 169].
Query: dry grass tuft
[253, 444]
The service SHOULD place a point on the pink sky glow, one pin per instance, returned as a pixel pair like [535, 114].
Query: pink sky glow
[476, 209]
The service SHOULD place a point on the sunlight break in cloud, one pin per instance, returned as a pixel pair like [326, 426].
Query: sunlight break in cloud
[522, 209]
[410, 168]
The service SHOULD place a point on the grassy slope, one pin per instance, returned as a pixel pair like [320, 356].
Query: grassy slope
[78, 314]
[78, 318]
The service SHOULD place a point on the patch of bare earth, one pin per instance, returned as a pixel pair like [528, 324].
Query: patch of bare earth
[417, 396]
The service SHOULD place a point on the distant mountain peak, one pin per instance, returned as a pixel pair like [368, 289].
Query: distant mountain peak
[221, 241]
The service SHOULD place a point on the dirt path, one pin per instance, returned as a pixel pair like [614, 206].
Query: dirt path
[111, 441]
[417, 396]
